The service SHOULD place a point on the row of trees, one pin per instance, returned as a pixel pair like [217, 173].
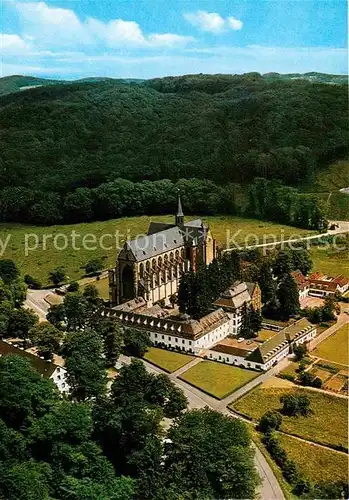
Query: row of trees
[118, 198]
[269, 199]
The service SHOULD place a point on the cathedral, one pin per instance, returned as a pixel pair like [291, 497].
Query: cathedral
[151, 265]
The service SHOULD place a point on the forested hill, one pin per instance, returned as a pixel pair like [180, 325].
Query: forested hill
[218, 127]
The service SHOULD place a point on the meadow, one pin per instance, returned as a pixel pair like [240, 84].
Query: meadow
[317, 463]
[330, 261]
[335, 347]
[327, 424]
[217, 379]
[167, 360]
[37, 250]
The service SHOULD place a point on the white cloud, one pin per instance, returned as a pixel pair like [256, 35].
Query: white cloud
[12, 44]
[234, 24]
[52, 26]
[212, 21]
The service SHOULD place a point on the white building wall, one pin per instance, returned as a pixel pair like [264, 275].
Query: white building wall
[194, 346]
[59, 378]
[233, 360]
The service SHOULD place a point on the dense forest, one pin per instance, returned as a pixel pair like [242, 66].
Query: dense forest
[226, 129]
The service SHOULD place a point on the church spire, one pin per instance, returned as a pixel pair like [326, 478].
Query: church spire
[179, 219]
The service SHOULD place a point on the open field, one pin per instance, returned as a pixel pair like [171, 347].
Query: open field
[42, 257]
[291, 369]
[217, 379]
[167, 360]
[335, 347]
[328, 424]
[315, 462]
[330, 261]
[102, 286]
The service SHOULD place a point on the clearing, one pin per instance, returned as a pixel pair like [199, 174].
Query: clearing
[317, 463]
[106, 238]
[329, 260]
[167, 360]
[335, 347]
[327, 425]
[217, 379]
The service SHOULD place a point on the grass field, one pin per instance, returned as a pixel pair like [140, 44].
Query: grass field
[167, 360]
[335, 347]
[42, 256]
[217, 379]
[330, 261]
[328, 424]
[102, 286]
[315, 462]
[291, 369]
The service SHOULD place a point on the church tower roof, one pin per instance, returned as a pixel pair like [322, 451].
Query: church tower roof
[179, 219]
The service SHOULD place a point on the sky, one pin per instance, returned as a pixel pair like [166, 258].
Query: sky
[70, 39]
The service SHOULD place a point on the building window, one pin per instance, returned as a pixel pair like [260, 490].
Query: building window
[169, 338]
[156, 335]
[176, 339]
[183, 341]
[63, 385]
[58, 370]
[163, 337]
[219, 357]
[189, 342]
[58, 377]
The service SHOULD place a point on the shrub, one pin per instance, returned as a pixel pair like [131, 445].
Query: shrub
[73, 286]
[287, 376]
[294, 405]
[93, 266]
[270, 420]
[300, 351]
[33, 283]
[290, 471]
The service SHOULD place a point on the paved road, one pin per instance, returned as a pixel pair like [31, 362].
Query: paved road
[270, 488]
[343, 228]
[36, 301]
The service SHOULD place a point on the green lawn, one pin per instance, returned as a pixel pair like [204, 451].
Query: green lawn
[330, 261]
[167, 360]
[42, 256]
[291, 369]
[102, 286]
[217, 379]
[316, 462]
[335, 347]
[328, 424]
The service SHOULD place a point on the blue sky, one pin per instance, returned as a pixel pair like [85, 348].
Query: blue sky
[148, 38]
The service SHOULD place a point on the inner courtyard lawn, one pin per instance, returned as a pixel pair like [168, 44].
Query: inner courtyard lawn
[217, 379]
[317, 463]
[328, 423]
[167, 360]
[335, 347]
[43, 256]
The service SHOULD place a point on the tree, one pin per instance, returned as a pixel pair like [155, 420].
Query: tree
[201, 462]
[57, 275]
[330, 308]
[271, 420]
[288, 296]
[21, 321]
[301, 260]
[93, 266]
[47, 338]
[300, 351]
[8, 271]
[33, 283]
[113, 341]
[75, 311]
[251, 321]
[85, 365]
[24, 394]
[283, 264]
[294, 405]
[161, 391]
[266, 283]
[136, 342]
[56, 315]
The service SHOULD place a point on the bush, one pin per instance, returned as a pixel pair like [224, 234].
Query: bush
[73, 286]
[57, 275]
[93, 266]
[33, 283]
[300, 351]
[294, 405]
[287, 376]
[269, 421]
[290, 471]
